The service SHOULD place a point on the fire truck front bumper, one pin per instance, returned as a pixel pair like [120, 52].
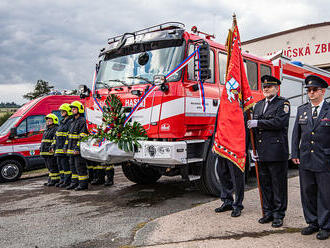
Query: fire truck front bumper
[162, 152]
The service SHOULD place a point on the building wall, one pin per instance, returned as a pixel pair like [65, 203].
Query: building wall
[310, 46]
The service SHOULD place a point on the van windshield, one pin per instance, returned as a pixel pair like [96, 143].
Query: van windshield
[10, 123]
[139, 68]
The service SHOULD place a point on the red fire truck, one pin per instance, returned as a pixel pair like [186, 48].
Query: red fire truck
[179, 131]
[21, 134]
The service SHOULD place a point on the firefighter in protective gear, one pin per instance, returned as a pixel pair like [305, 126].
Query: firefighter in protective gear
[102, 170]
[58, 145]
[77, 130]
[45, 149]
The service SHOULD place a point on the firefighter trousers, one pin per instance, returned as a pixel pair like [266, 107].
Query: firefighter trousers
[78, 167]
[74, 174]
[54, 175]
[64, 168]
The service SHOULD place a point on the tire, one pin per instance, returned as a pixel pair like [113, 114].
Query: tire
[139, 174]
[210, 183]
[10, 170]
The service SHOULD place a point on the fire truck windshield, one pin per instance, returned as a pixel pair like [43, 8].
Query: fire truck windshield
[139, 68]
[10, 123]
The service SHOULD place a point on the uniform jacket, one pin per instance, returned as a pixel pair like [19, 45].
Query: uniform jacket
[271, 134]
[47, 140]
[311, 142]
[61, 135]
[76, 132]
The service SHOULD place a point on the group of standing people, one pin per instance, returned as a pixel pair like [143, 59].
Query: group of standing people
[60, 147]
[310, 150]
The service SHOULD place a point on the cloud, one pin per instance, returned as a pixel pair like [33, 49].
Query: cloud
[59, 41]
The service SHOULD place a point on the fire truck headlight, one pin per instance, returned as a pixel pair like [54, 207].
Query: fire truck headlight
[164, 149]
[159, 79]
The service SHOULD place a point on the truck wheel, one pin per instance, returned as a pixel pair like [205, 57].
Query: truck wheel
[210, 182]
[10, 170]
[139, 174]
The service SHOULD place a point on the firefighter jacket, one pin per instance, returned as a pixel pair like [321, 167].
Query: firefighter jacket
[311, 139]
[47, 140]
[271, 134]
[76, 132]
[61, 136]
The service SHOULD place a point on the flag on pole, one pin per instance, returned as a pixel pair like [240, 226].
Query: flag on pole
[236, 98]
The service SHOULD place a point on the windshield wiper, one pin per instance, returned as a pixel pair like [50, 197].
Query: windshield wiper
[111, 80]
[142, 78]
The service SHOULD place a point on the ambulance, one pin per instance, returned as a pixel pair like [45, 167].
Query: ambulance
[21, 134]
[179, 130]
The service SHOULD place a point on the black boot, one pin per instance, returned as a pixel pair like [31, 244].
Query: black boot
[82, 186]
[98, 177]
[72, 186]
[91, 175]
[110, 175]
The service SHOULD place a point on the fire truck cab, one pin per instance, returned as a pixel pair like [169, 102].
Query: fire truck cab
[179, 131]
[21, 134]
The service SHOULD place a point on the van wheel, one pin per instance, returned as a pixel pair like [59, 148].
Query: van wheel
[210, 182]
[10, 170]
[140, 174]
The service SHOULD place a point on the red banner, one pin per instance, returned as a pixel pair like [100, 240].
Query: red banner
[236, 97]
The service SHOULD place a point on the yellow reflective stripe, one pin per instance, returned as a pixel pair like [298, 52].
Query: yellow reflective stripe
[59, 151]
[67, 172]
[62, 134]
[90, 167]
[109, 167]
[66, 142]
[54, 142]
[74, 176]
[46, 141]
[53, 174]
[70, 151]
[78, 143]
[83, 134]
[62, 171]
[82, 177]
[55, 178]
[46, 153]
[73, 136]
[99, 167]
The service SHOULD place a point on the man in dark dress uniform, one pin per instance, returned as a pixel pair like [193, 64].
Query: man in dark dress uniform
[311, 151]
[270, 125]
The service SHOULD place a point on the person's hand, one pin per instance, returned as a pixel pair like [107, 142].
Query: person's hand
[64, 150]
[296, 160]
[51, 150]
[255, 156]
[252, 123]
[76, 152]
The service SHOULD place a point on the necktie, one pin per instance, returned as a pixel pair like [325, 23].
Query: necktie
[266, 106]
[314, 115]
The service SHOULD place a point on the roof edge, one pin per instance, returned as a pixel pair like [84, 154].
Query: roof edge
[309, 26]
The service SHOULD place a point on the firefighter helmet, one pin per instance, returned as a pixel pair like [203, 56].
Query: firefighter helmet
[53, 117]
[66, 107]
[78, 105]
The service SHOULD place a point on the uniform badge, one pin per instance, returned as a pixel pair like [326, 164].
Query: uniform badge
[286, 108]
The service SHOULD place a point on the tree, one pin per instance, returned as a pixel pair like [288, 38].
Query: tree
[41, 88]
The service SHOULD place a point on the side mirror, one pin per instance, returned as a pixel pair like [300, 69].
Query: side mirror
[13, 133]
[84, 91]
[204, 61]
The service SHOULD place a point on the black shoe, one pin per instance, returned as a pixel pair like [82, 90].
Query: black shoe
[224, 207]
[81, 188]
[277, 223]
[97, 181]
[236, 212]
[58, 184]
[64, 185]
[266, 219]
[309, 230]
[46, 184]
[108, 183]
[72, 186]
[51, 184]
[323, 234]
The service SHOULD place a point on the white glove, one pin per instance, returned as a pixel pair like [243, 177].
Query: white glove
[252, 123]
[254, 157]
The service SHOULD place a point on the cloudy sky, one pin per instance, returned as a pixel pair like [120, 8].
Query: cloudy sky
[58, 41]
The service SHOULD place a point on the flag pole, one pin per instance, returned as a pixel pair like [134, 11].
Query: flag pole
[255, 163]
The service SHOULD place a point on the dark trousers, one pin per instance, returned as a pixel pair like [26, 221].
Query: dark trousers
[232, 180]
[51, 165]
[315, 197]
[81, 168]
[74, 175]
[64, 168]
[274, 187]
